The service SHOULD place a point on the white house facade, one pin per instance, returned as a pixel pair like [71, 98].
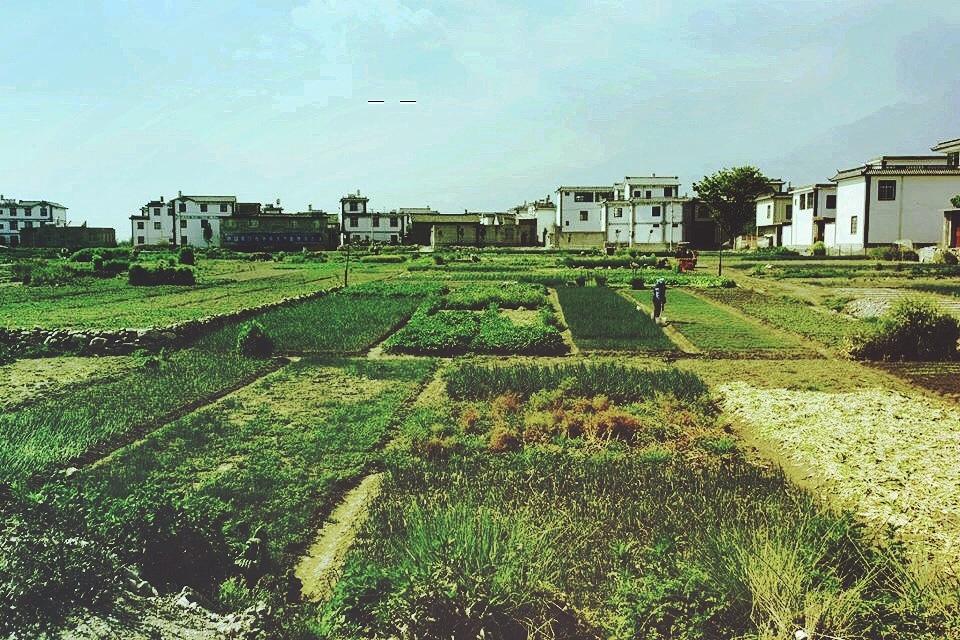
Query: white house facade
[646, 212]
[894, 198]
[26, 214]
[545, 213]
[580, 220]
[774, 216]
[359, 224]
[182, 221]
[813, 206]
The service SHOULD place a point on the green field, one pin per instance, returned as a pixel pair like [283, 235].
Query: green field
[601, 319]
[712, 327]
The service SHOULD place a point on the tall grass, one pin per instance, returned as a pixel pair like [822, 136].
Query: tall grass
[620, 383]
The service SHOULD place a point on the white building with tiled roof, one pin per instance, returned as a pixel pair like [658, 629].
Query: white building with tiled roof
[361, 225]
[893, 198]
[25, 214]
[182, 221]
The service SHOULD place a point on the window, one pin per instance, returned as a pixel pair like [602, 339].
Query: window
[28, 224]
[566, 194]
[156, 226]
[156, 211]
[28, 211]
[394, 221]
[183, 224]
[953, 159]
[583, 197]
[140, 240]
[637, 193]
[354, 222]
[223, 208]
[886, 190]
[618, 213]
[789, 211]
[584, 216]
[656, 226]
[13, 211]
[353, 207]
[393, 238]
[831, 202]
[43, 212]
[13, 225]
[139, 225]
[649, 195]
[183, 239]
[853, 224]
[769, 211]
[1, 225]
[803, 201]
[376, 221]
[604, 194]
[203, 208]
[668, 192]
[204, 224]
[183, 207]
[566, 223]
[655, 212]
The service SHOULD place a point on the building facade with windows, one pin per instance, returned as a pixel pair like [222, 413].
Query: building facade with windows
[16, 215]
[580, 223]
[814, 209]
[543, 214]
[182, 221]
[895, 198]
[360, 225]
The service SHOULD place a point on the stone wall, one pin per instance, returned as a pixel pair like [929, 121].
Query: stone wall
[40, 341]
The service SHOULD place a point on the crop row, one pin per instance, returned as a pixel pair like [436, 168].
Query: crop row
[599, 318]
[442, 332]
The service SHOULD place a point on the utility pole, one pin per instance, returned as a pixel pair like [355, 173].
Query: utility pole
[346, 265]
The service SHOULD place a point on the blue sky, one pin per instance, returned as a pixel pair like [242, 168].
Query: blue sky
[110, 104]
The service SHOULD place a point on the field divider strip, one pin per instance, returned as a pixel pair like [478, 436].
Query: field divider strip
[103, 450]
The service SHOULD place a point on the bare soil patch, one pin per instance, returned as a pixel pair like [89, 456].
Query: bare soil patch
[25, 380]
[892, 458]
[942, 377]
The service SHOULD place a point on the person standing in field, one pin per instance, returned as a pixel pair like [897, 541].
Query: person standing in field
[659, 298]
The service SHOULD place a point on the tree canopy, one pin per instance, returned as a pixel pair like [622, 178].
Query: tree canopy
[730, 196]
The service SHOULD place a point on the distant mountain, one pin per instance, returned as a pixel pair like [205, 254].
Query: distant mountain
[902, 128]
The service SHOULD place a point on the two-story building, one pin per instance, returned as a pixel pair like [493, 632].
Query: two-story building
[580, 223]
[543, 213]
[269, 229]
[645, 212]
[774, 210]
[895, 198]
[359, 224]
[182, 221]
[16, 215]
[814, 208]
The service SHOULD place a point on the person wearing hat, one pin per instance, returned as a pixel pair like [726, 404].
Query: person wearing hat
[659, 298]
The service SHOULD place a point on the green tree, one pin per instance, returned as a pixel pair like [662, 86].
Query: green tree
[730, 197]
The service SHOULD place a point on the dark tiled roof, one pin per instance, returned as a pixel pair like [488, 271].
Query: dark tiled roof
[945, 144]
[209, 198]
[915, 170]
[462, 218]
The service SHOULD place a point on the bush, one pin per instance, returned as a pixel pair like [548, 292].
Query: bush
[84, 255]
[636, 283]
[893, 252]
[955, 201]
[914, 329]
[36, 274]
[438, 258]
[819, 248]
[600, 280]
[254, 342]
[140, 276]
[115, 266]
[187, 256]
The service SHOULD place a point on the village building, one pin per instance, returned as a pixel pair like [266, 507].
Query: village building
[645, 212]
[814, 213]
[774, 210]
[951, 215]
[580, 223]
[182, 221]
[544, 214]
[17, 215]
[897, 198]
[360, 225]
[267, 228]
[51, 236]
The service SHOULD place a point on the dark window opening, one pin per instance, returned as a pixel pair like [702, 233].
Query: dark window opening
[886, 189]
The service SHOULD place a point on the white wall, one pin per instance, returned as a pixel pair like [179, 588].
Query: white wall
[916, 213]
[849, 204]
[569, 209]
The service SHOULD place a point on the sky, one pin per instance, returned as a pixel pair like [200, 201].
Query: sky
[108, 105]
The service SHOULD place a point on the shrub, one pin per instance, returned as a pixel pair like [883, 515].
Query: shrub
[955, 201]
[98, 263]
[438, 258]
[83, 255]
[116, 266]
[914, 329]
[893, 252]
[636, 283]
[254, 342]
[46, 273]
[819, 248]
[140, 276]
[187, 256]
[600, 280]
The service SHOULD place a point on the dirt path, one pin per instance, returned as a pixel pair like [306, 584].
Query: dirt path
[566, 334]
[320, 569]
[891, 457]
